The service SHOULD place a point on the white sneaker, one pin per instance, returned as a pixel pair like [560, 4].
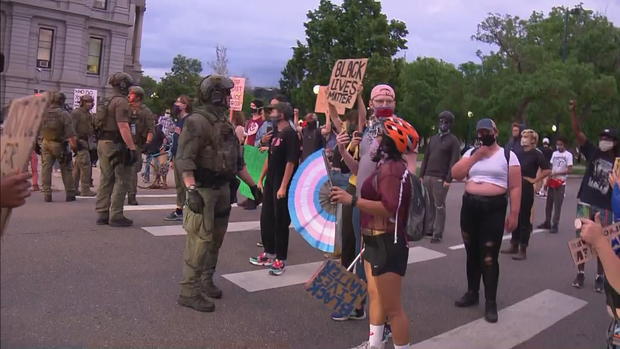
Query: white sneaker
[366, 345]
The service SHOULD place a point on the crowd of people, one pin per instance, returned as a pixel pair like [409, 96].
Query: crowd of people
[371, 153]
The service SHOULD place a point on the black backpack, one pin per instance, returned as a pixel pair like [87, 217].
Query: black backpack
[417, 209]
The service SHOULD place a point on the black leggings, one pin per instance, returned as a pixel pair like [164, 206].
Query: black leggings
[274, 222]
[482, 227]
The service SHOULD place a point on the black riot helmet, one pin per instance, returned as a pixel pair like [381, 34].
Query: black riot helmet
[215, 90]
[57, 98]
[122, 81]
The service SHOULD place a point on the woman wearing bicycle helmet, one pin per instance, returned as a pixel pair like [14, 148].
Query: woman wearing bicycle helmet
[384, 204]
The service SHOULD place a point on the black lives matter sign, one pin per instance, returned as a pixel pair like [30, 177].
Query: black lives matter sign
[346, 81]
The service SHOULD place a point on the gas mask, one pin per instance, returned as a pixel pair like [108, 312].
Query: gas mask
[220, 97]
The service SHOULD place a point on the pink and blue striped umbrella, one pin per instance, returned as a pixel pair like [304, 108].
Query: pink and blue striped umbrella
[312, 213]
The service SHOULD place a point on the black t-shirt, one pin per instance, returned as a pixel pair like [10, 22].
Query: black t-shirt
[531, 161]
[547, 152]
[312, 140]
[595, 189]
[284, 148]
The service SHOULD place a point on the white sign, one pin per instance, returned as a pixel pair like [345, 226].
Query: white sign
[79, 92]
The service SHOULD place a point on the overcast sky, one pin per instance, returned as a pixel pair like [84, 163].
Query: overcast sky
[259, 34]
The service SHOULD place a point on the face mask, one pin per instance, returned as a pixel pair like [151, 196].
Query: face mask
[175, 109]
[275, 118]
[487, 140]
[253, 110]
[384, 112]
[605, 145]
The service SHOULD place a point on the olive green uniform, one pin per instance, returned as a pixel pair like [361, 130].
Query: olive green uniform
[142, 123]
[82, 169]
[115, 174]
[56, 128]
[205, 231]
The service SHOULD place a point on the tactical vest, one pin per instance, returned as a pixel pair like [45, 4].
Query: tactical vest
[101, 122]
[53, 125]
[222, 151]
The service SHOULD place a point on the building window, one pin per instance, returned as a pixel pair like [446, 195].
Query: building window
[94, 55]
[101, 4]
[44, 51]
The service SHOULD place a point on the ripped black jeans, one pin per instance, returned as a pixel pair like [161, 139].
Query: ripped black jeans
[482, 227]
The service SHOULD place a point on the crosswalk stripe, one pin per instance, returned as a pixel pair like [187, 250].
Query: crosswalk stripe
[505, 237]
[260, 280]
[155, 207]
[517, 324]
[138, 196]
[171, 230]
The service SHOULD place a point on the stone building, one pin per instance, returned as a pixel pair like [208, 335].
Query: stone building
[67, 44]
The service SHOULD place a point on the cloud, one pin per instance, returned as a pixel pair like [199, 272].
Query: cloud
[259, 34]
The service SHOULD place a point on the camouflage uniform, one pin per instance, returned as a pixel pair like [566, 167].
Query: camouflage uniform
[82, 169]
[142, 124]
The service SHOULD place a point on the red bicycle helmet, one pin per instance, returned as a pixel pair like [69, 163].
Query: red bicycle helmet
[402, 133]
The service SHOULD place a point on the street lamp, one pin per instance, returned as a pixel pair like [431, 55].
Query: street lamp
[316, 89]
[470, 115]
[554, 128]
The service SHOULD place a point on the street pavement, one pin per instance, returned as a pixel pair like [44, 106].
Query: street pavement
[66, 282]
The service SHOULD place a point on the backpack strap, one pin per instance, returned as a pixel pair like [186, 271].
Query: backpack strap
[507, 156]
[400, 199]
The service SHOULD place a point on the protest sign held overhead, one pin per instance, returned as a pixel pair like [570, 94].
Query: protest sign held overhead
[21, 128]
[346, 81]
[236, 94]
[79, 92]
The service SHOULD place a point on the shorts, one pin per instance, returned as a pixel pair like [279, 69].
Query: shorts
[384, 255]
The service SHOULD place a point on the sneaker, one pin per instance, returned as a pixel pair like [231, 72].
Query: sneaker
[357, 314]
[259, 244]
[579, 279]
[364, 345]
[277, 268]
[470, 298]
[120, 222]
[545, 225]
[262, 260]
[174, 216]
[598, 283]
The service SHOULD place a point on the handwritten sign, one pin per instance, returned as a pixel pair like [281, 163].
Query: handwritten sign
[321, 102]
[21, 128]
[346, 80]
[582, 252]
[236, 94]
[338, 289]
[79, 92]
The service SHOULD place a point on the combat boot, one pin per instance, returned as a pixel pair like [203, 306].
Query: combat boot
[196, 302]
[131, 200]
[209, 288]
[522, 254]
[512, 249]
[121, 222]
[47, 197]
[103, 219]
[88, 192]
[70, 197]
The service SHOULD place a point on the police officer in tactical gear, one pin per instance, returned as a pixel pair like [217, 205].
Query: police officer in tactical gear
[209, 157]
[58, 134]
[83, 125]
[142, 126]
[117, 152]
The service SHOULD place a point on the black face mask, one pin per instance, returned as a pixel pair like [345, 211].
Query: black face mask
[253, 110]
[487, 140]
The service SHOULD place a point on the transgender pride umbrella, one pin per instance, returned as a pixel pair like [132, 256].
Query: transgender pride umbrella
[312, 213]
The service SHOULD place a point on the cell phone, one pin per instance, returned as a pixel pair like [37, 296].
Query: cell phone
[357, 134]
[269, 129]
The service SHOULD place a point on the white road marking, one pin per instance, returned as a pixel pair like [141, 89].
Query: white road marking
[171, 230]
[505, 237]
[138, 196]
[517, 324]
[154, 207]
[259, 280]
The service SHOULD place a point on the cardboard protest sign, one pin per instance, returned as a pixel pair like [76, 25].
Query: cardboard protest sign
[79, 92]
[21, 128]
[339, 289]
[236, 94]
[254, 160]
[321, 102]
[582, 252]
[346, 80]
[617, 167]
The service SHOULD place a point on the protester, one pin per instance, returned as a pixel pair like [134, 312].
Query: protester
[561, 166]
[531, 160]
[442, 152]
[595, 192]
[514, 144]
[182, 108]
[547, 151]
[491, 172]
[266, 130]
[251, 132]
[384, 204]
[277, 172]
[312, 139]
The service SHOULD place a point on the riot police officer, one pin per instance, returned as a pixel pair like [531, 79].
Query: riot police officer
[58, 134]
[117, 152]
[141, 124]
[208, 157]
[83, 125]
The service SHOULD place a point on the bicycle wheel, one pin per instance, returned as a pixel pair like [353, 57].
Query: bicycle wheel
[148, 175]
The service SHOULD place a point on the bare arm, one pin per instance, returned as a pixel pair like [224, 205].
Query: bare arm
[245, 176]
[514, 189]
[611, 263]
[361, 113]
[579, 135]
[541, 175]
[123, 128]
[462, 167]
[332, 117]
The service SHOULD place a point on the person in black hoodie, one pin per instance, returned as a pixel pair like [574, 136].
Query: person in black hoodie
[514, 144]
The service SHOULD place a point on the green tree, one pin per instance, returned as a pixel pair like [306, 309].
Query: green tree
[355, 29]
[183, 79]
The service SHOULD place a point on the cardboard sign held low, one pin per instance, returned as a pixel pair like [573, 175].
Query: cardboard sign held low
[582, 252]
[340, 290]
[346, 81]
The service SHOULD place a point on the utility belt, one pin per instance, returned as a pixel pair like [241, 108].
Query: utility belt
[110, 136]
[372, 232]
[208, 179]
